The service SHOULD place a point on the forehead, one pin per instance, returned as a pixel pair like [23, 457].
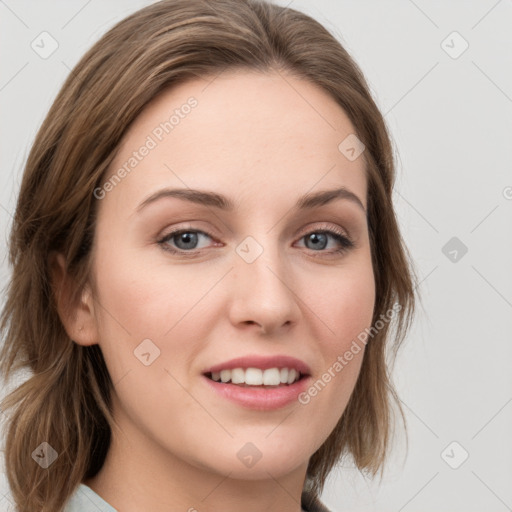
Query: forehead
[243, 131]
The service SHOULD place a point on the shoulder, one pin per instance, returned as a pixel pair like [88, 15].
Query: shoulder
[311, 503]
[84, 499]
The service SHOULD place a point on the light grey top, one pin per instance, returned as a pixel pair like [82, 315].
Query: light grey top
[84, 499]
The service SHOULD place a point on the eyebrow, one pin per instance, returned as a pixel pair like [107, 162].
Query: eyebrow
[213, 199]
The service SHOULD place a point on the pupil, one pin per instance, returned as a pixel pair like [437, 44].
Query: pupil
[187, 238]
[316, 237]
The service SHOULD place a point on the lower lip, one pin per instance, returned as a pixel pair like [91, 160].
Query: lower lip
[260, 398]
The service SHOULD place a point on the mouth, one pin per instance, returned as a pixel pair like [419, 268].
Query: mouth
[257, 378]
[259, 382]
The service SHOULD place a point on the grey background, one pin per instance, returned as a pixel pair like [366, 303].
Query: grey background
[451, 120]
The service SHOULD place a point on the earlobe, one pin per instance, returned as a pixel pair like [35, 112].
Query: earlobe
[77, 316]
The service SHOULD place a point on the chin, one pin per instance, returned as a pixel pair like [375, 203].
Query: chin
[259, 459]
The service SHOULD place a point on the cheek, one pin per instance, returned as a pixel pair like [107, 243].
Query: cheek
[145, 294]
[138, 302]
[346, 308]
[344, 303]
[355, 301]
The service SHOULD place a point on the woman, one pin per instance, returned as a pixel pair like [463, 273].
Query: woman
[206, 265]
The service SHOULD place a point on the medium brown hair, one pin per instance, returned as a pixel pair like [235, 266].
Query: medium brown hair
[66, 399]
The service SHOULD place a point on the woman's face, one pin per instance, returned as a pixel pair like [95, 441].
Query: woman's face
[262, 280]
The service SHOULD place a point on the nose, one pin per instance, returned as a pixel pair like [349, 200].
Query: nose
[263, 292]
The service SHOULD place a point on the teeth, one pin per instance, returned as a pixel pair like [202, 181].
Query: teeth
[253, 376]
[272, 377]
[257, 377]
[292, 375]
[237, 376]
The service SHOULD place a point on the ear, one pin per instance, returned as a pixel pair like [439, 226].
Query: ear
[78, 319]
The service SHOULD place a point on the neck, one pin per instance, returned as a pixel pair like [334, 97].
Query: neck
[139, 475]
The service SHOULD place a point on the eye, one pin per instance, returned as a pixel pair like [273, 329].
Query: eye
[318, 240]
[185, 241]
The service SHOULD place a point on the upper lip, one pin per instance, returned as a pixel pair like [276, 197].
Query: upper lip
[262, 362]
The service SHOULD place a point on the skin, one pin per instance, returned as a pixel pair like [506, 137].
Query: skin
[263, 140]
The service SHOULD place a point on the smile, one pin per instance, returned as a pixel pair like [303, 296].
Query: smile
[256, 376]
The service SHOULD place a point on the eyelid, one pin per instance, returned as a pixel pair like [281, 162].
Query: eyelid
[313, 226]
[341, 235]
[321, 226]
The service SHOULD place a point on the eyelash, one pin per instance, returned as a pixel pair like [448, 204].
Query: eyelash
[345, 242]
